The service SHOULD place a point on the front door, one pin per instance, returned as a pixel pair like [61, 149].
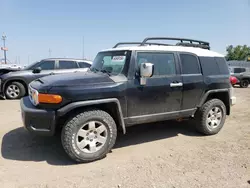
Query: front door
[47, 68]
[161, 97]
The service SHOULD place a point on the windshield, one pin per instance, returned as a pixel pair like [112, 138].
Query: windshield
[30, 67]
[111, 62]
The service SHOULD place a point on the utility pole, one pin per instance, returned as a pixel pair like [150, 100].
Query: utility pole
[50, 52]
[83, 47]
[4, 48]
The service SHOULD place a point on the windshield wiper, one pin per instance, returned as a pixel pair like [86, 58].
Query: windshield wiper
[105, 71]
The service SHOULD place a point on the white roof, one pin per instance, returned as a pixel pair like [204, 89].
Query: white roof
[194, 50]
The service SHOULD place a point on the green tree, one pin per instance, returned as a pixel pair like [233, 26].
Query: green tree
[238, 52]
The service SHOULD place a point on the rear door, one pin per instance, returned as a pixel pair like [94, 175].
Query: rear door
[67, 66]
[192, 79]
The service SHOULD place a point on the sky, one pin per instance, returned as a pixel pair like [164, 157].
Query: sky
[59, 28]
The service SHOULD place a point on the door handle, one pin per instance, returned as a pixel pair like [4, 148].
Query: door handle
[176, 84]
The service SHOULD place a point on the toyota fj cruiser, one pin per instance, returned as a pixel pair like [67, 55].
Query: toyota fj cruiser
[131, 85]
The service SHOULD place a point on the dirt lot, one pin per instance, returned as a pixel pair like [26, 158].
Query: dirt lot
[157, 155]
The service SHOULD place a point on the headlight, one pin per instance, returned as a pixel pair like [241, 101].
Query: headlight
[33, 95]
[36, 97]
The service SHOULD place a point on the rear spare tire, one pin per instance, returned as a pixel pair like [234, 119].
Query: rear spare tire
[89, 136]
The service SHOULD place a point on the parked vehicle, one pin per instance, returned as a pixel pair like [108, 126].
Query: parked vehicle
[14, 85]
[242, 74]
[6, 68]
[126, 86]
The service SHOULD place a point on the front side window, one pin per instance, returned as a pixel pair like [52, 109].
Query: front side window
[112, 62]
[67, 64]
[164, 63]
[189, 64]
[83, 65]
[47, 65]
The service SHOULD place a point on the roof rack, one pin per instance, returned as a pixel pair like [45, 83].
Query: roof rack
[139, 43]
[183, 42]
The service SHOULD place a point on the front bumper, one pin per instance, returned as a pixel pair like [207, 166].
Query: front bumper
[38, 121]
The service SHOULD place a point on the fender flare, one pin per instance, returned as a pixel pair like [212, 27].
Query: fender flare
[62, 111]
[205, 95]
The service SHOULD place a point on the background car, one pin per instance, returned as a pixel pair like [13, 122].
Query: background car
[6, 68]
[14, 85]
[242, 74]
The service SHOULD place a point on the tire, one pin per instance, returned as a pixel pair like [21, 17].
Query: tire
[14, 90]
[202, 117]
[244, 83]
[79, 127]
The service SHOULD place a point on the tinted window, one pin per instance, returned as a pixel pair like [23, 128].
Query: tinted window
[190, 64]
[164, 63]
[209, 66]
[239, 70]
[223, 67]
[47, 65]
[67, 65]
[84, 65]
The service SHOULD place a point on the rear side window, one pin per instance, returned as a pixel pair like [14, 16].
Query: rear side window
[67, 65]
[84, 65]
[239, 70]
[164, 63]
[209, 66]
[223, 67]
[189, 64]
[47, 65]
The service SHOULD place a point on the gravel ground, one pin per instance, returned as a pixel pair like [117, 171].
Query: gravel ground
[159, 155]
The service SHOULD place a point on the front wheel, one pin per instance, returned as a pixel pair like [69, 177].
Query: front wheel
[14, 90]
[89, 136]
[210, 118]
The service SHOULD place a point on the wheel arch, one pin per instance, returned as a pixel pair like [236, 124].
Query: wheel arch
[246, 78]
[221, 94]
[111, 106]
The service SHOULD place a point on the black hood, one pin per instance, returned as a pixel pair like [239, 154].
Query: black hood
[74, 79]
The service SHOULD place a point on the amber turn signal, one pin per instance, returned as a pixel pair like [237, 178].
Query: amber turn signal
[49, 98]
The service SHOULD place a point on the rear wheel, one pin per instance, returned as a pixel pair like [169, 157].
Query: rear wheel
[89, 136]
[14, 90]
[211, 117]
[244, 83]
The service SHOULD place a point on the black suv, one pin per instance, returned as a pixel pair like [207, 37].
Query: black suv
[242, 74]
[126, 86]
[14, 85]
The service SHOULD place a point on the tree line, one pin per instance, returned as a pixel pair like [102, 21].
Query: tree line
[239, 53]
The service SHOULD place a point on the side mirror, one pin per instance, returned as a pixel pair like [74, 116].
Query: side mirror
[37, 70]
[146, 71]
